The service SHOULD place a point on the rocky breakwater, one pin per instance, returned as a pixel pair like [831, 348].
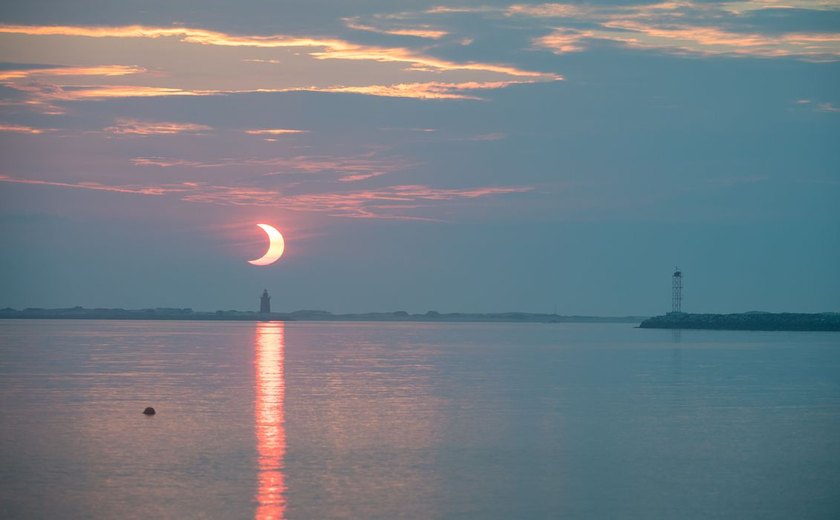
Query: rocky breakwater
[825, 321]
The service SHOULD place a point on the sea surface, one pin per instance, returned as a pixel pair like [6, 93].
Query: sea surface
[416, 420]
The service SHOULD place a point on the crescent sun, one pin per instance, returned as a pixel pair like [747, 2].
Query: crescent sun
[276, 244]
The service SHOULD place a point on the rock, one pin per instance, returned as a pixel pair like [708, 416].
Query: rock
[149, 411]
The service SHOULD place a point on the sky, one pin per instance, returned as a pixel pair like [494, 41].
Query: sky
[461, 156]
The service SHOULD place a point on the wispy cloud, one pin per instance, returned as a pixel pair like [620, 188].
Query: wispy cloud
[327, 48]
[391, 202]
[564, 41]
[715, 41]
[309, 64]
[678, 27]
[353, 168]
[103, 70]
[258, 60]
[275, 131]
[95, 186]
[21, 129]
[493, 136]
[549, 10]
[383, 203]
[415, 31]
[431, 90]
[828, 107]
[45, 97]
[671, 26]
[136, 127]
[443, 9]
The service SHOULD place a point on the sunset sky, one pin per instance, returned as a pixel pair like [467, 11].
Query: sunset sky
[469, 156]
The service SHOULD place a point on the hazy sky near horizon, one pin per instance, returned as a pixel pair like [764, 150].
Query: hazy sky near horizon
[457, 155]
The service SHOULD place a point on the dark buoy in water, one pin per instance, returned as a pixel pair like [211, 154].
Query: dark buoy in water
[149, 411]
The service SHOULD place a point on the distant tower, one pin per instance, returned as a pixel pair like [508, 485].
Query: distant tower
[676, 290]
[265, 302]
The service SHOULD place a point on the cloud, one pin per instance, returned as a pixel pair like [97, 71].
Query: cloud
[414, 31]
[715, 41]
[679, 27]
[124, 126]
[95, 186]
[674, 27]
[45, 97]
[828, 107]
[549, 10]
[431, 90]
[687, 39]
[564, 41]
[181, 61]
[103, 70]
[390, 202]
[384, 203]
[328, 48]
[21, 129]
[257, 60]
[353, 168]
[275, 131]
[442, 9]
[492, 136]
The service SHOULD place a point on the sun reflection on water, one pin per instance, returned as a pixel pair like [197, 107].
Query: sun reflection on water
[270, 388]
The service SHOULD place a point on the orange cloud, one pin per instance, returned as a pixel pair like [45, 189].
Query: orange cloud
[388, 71]
[47, 95]
[330, 48]
[44, 96]
[431, 90]
[104, 70]
[137, 127]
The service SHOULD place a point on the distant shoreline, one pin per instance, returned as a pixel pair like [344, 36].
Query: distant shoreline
[759, 321]
[767, 321]
[172, 314]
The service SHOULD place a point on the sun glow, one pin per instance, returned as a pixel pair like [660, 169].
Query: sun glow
[270, 389]
[276, 246]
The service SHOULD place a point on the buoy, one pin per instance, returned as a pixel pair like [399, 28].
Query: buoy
[149, 411]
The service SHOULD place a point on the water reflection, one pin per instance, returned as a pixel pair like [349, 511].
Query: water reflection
[676, 335]
[270, 388]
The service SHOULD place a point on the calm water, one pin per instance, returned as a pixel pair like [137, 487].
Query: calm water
[331, 420]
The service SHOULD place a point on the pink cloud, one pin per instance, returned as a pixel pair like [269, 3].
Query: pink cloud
[130, 188]
[564, 41]
[275, 131]
[362, 166]
[21, 129]
[383, 203]
[124, 126]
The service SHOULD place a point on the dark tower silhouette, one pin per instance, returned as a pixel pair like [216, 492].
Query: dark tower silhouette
[265, 302]
[676, 290]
